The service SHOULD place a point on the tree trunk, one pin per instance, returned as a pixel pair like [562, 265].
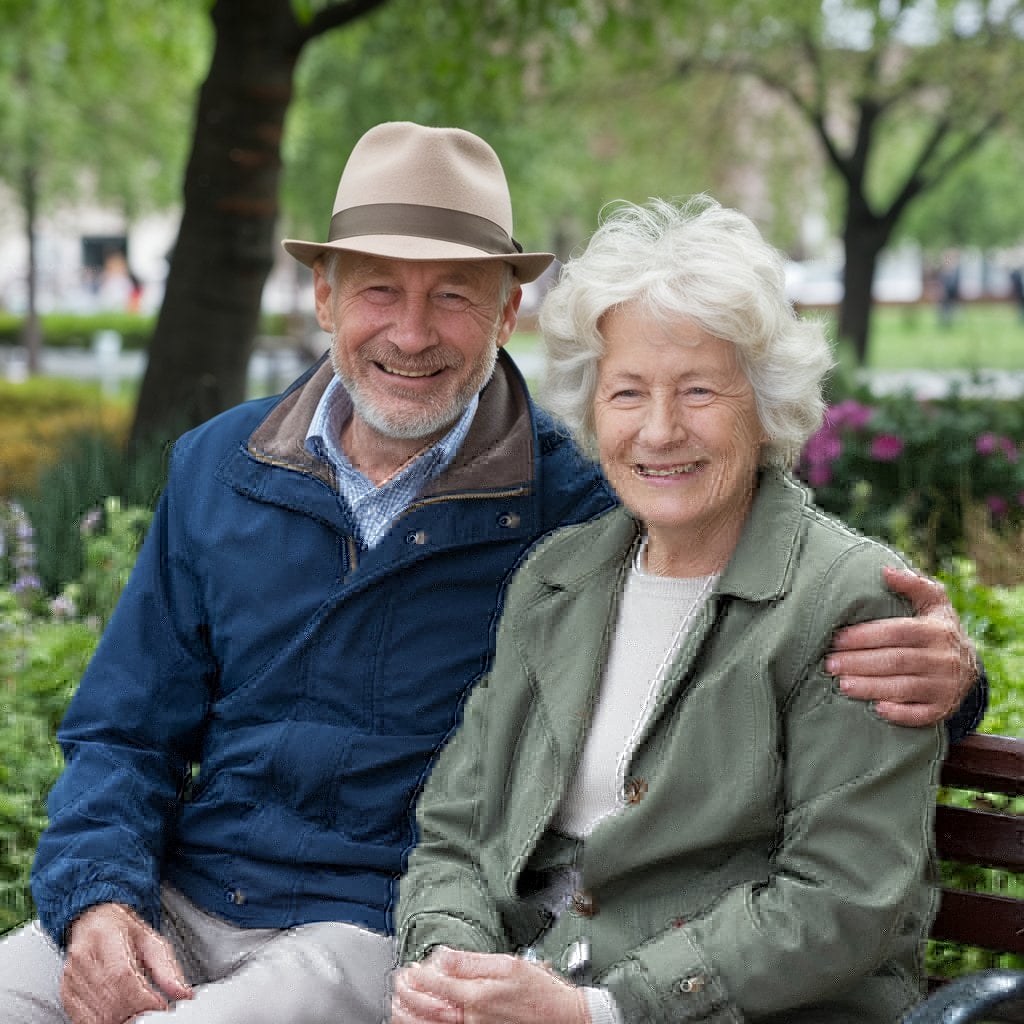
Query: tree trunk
[864, 237]
[200, 349]
[31, 330]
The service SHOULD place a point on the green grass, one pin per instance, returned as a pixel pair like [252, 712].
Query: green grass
[983, 336]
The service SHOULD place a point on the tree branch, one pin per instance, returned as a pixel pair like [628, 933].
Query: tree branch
[335, 15]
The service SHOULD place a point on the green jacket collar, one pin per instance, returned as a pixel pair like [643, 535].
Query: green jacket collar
[760, 569]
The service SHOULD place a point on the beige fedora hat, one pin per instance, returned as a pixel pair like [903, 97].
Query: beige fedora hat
[409, 192]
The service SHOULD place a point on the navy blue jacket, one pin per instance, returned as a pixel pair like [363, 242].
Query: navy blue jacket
[264, 705]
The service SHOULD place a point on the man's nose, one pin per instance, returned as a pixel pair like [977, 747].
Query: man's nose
[413, 330]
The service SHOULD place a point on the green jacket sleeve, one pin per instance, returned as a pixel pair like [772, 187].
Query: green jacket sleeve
[444, 897]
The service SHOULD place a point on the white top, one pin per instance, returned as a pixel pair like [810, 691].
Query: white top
[655, 613]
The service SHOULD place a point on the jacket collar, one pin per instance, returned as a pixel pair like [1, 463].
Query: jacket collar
[497, 454]
[761, 567]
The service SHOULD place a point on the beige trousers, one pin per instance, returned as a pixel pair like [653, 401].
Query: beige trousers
[325, 973]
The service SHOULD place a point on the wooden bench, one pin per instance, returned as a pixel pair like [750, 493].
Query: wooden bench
[985, 835]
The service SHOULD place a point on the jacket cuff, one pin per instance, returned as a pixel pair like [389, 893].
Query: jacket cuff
[669, 983]
[425, 931]
[968, 716]
[601, 1006]
[57, 916]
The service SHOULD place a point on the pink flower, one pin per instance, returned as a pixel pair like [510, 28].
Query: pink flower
[823, 447]
[986, 444]
[1009, 447]
[996, 505]
[820, 474]
[850, 413]
[886, 448]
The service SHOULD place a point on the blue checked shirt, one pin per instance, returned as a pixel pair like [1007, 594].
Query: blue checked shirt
[375, 508]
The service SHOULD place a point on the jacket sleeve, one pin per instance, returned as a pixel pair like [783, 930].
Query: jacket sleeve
[967, 717]
[854, 843]
[129, 736]
[444, 897]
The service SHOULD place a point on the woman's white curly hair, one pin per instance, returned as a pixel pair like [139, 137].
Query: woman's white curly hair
[693, 260]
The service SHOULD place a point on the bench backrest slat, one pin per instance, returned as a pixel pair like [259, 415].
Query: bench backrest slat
[983, 835]
[978, 919]
[980, 837]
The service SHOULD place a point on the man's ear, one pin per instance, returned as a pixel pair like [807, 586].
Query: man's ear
[509, 316]
[323, 291]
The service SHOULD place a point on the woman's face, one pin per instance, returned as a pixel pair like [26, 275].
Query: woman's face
[678, 437]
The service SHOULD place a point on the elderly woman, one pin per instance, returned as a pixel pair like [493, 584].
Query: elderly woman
[659, 806]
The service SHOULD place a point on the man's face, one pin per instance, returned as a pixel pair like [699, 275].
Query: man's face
[413, 341]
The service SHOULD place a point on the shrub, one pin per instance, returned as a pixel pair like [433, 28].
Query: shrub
[927, 462]
[77, 330]
[44, 649]
[39, 417]
[87, 470]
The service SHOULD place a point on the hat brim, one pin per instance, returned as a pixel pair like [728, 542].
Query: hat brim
[528, 265]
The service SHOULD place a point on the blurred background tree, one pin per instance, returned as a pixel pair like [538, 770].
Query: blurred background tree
[898, 95]
[94, 104]
[855, 112]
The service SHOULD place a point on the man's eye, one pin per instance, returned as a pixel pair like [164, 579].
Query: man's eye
[451, 300]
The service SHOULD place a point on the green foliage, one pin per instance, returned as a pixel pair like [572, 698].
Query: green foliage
[89, 468]
[99, 87]
[979, 204]
[67, 330]
[77, 330]
[44, 649]
[112, 538]
[993, 616]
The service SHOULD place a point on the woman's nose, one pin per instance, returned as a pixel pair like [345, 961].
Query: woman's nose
[663, 423]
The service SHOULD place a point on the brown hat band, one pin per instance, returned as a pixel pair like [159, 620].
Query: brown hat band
[424, 222]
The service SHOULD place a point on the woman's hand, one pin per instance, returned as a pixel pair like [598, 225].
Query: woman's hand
[454, 987]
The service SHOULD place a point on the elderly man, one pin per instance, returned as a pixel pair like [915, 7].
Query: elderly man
[315, 598]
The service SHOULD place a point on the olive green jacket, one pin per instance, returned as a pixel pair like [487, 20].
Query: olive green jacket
[773, 853]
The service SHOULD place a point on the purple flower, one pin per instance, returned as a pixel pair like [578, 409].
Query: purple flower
[850, 413]
[986, 444]
[997, 506]
[90, 521]
[886, 448]
[62, 607]
[26, 583]
[1009, 447]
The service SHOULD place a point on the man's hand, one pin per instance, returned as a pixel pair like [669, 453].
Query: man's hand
[116, 967]
[917, 670]
[452, 987]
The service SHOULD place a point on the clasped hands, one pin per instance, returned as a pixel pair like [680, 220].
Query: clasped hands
[456, 987]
